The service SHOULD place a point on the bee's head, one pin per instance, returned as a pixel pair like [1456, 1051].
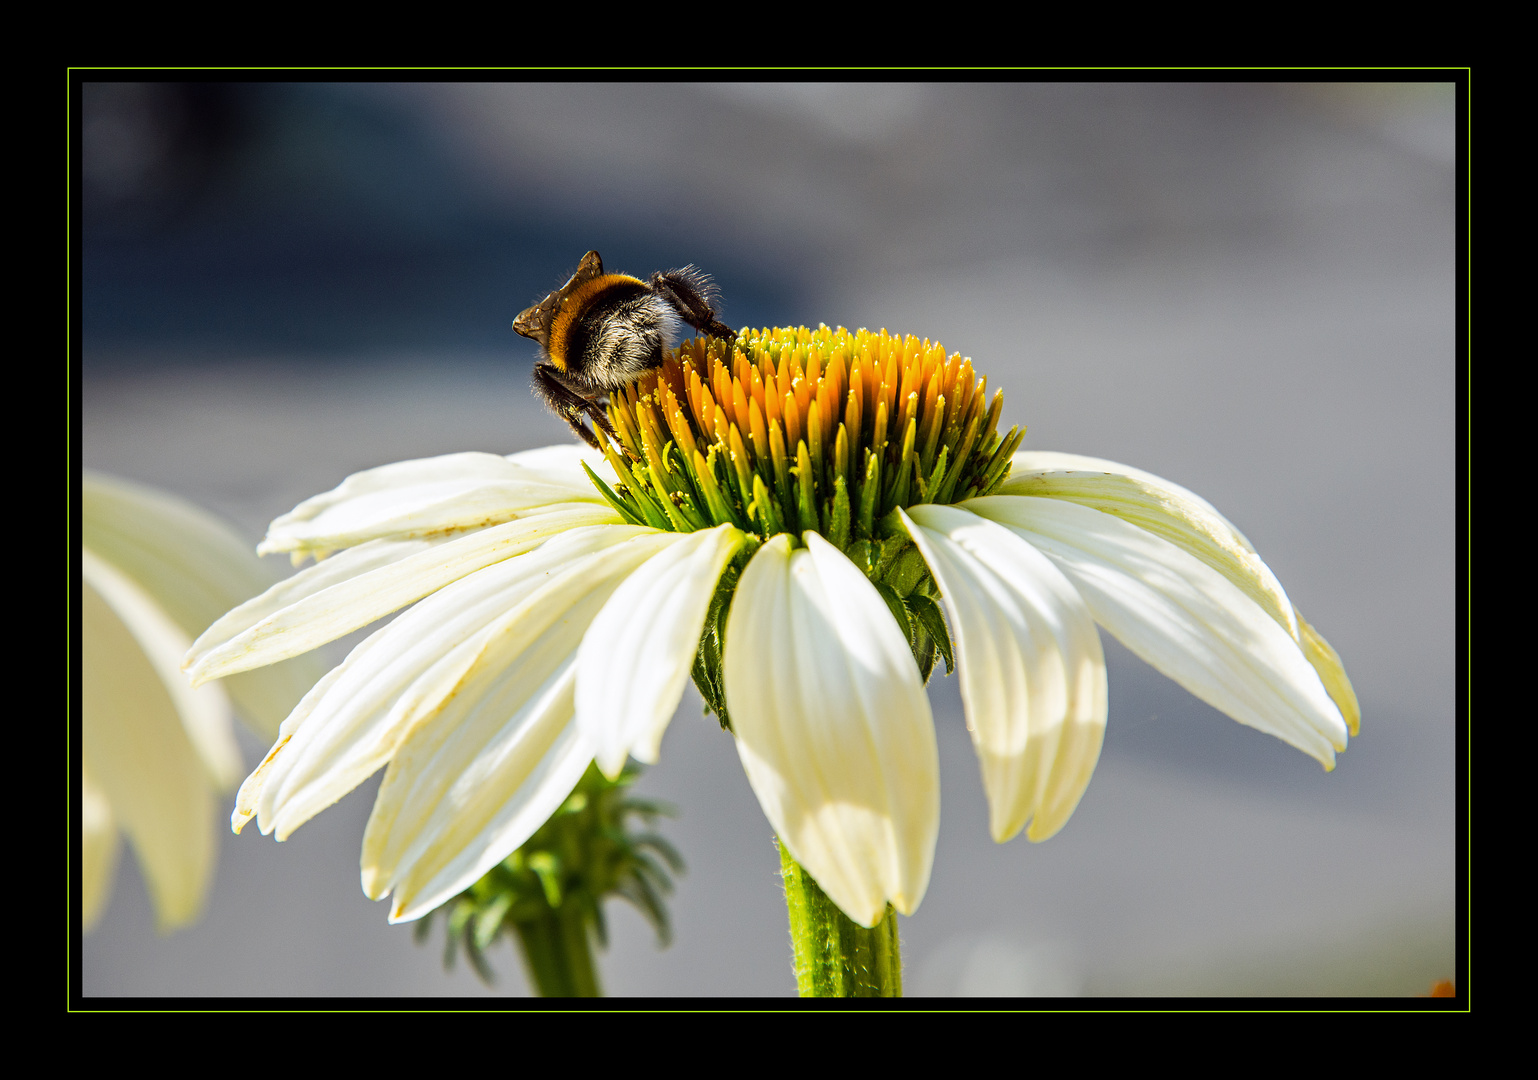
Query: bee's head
[534, 322]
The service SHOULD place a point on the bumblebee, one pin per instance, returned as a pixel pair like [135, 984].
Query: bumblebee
[599, 332]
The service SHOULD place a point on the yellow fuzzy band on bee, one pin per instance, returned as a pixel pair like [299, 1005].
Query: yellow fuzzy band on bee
[572, 308]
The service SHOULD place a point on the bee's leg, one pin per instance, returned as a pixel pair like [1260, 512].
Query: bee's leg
[569, 405]
[693, 296]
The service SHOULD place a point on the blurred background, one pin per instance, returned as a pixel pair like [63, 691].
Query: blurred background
[1247, 289]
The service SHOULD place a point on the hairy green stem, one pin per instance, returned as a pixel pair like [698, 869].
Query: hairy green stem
[835, 956]
[558, 955]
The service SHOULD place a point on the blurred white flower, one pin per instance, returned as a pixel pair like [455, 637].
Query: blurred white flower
[155, 570]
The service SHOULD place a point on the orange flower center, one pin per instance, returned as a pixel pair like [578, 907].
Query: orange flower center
[796, 429]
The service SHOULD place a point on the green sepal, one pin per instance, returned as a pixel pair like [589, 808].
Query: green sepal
[647, 503]
[870, 494]
[838, 519]
[923, 651]
[930, 485]
[919, 641]
[889, 551]
[907, 571]
[997, 469]
[677, 506]
[695, 507]
[942, 494]
[766, 509]
[859, 552]
[927, 613]
[708, 677]
[722, 509]
[612, 499]
[907, 467]
[805, 487]
[894, 604]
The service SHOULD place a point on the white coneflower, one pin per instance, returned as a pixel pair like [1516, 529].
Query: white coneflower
[784, 518]
[154, 570]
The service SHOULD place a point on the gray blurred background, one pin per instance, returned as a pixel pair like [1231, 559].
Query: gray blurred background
[1247, 289]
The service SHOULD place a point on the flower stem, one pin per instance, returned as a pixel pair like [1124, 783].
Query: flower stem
[835, 956]
[558, 955]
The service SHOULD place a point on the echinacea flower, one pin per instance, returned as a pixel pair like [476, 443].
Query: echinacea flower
[784, 519]
[154, 569]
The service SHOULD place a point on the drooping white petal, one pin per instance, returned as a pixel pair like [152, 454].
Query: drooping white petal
[247, 798]
[195, 568]
[98, 851]
[358, 586]
[483, 766]
[1031, 668]
[1165, 509]
[403, 672]
[137, 751]
[637, 655]
[1182, 617]
[423, 497]
[833, 726]
[1189, 522]
[539, 793]
[339, 569]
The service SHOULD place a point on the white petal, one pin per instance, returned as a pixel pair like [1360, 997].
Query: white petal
[475, 777]
[421, 498]
[358, 586]
[137, 751]
[402, 672]
[249, 795]
[98, 851]
[540, 793]
[564, 461]
[309, 582]
[833, 726]
[1189, 522]
[638, 654]
[1032, 671]
[1165, 509]
[1331, 672]
[1182, 617]
[195, 568]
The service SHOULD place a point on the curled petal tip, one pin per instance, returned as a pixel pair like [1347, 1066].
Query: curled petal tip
[611, 765]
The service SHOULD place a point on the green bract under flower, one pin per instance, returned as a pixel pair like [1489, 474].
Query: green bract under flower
[550, 892]
[802, 520]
